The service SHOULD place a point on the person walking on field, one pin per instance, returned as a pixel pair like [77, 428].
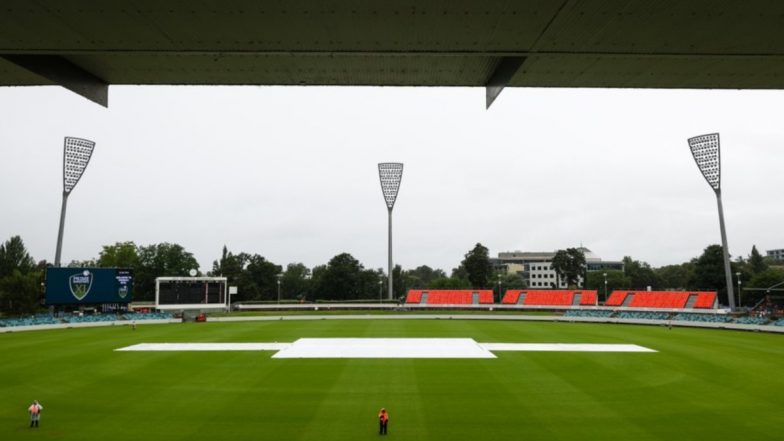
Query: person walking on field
[35, 413]
[383, 420]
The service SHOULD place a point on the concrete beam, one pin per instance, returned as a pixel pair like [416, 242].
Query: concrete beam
[64, 73]
[503, 73]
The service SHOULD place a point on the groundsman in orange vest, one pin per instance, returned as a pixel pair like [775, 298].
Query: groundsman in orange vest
[383, 420]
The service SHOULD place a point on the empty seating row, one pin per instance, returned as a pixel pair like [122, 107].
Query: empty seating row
[659, 299]
[704, 318]
[642, 315]
[705, 300]
[549, 297]
[589, 313]
[450, 296]
[149, 316]
[662, 299]
[34, 320]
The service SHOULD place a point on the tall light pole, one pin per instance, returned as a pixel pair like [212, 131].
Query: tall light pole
[76, 155]
[390, 174]
[707, 155]
[278, 277]
[605, 286]
[740, 299]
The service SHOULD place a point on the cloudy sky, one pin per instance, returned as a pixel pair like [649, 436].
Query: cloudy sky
[290, 173]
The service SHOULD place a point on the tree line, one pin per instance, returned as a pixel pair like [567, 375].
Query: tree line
[343, 277]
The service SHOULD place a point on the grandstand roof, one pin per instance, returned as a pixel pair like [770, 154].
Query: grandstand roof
[494, 43]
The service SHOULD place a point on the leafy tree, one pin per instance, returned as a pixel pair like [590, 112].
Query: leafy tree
[20, 293]
[508, 281]
[230, 265]
[762, 281]
[260, 280]
[757, 263]
[676, 276]
[449, 283]
[317, 275]
[709, 272]
[459, 273]
[421, 276]
[160, 260]
[640, 273]
[341, 279]
[89, 263]
[569, 265]
[513, 281]
[296, 280]
[367, 287]
[399, 282]
[477, 266]
[14, 256]
[616, 279]
[119, 255]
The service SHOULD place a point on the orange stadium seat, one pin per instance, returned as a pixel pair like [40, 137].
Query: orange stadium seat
[705, 300]
[588, 298]
[617, 298]
[661, 299]
[450, 296]
[511, 297]
[414, 296]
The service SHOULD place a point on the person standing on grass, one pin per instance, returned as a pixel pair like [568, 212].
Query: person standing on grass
[35, 413]
[383, 420]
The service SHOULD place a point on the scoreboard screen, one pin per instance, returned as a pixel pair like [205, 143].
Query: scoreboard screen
[184, 292]
[79, 286]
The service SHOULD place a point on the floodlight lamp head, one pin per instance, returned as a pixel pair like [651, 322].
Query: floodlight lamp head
[390, 174]
[76, 155]
[707, 155]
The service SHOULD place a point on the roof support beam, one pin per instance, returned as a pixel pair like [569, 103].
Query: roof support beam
[64, 73]
[503, 73]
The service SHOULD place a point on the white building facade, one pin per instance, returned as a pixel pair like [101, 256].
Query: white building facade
[536, 267]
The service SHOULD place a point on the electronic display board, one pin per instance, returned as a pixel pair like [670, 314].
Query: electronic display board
[68, 286]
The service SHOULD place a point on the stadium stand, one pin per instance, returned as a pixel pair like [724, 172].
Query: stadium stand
[706, 300]
[38, 319]
[450, 297]
[643, 315]
[751, 320]
[779, 322]
[617, 298]
[149, 316]
[588, 314]
[510, 297]
[659, 299]
[549, 297]
[93, 318]
[704, 318]
[588, 298]
[414, 296]
[662, 299]
[46, 319]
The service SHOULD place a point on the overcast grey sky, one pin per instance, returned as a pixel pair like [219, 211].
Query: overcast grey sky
[290, 173]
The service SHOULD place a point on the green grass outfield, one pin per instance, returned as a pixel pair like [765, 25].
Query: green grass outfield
[702, 385]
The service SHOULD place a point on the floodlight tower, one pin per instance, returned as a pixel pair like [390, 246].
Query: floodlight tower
[390, 174]
[707, 155]
[76, 155]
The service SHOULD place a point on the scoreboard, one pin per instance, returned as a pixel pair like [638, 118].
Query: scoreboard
[80, 286]
[190, 292]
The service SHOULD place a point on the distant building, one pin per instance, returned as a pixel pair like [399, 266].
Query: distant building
[777, 255]
[536, 267]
